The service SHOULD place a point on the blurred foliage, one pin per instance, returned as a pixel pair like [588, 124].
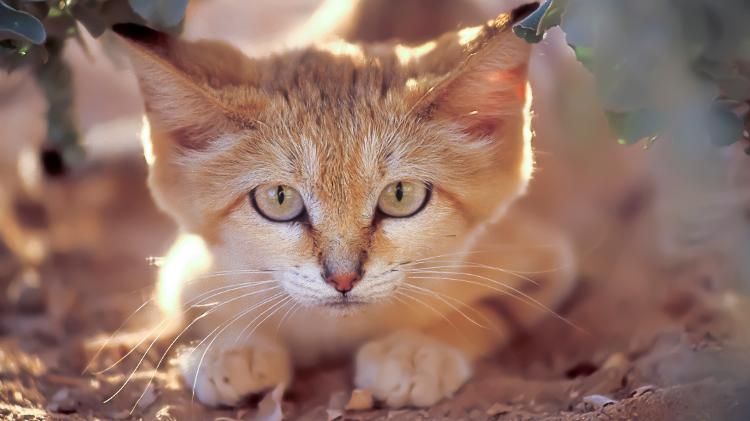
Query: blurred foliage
[650, 58]
[33, 33]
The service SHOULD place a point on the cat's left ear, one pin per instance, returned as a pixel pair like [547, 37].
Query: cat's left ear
[190, 88]
[486, 93]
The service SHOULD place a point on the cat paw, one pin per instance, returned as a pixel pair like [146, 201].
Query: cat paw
[227, 376]
[410, 369]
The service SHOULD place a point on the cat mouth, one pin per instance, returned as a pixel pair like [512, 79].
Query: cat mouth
[344, 303]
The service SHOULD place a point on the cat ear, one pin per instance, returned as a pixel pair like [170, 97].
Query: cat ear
[486, 92]
[190, 88]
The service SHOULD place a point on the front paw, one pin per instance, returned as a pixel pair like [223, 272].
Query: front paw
[226, 376]
[409, 368]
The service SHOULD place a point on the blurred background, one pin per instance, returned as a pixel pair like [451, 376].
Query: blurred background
[641, 121]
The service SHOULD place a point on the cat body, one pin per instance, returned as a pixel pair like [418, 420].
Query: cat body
[354, 200]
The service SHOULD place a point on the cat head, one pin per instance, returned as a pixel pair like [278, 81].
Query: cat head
[335, 166]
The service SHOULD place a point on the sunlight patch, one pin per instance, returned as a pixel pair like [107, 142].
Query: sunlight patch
[468, 35]
[148, 147]
[187, 258]
[527, 165]
[406, 54]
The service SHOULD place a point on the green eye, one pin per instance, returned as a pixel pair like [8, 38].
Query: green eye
[403, 199]
[278, 203]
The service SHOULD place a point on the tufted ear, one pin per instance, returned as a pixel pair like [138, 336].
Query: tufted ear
[191, 90]
[486, 92]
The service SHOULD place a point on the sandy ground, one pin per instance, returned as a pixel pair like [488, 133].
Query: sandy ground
[659, 342]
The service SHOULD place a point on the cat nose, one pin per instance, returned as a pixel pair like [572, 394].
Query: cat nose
[343, 282]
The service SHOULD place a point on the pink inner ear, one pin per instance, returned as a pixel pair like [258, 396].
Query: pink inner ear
[481, 100]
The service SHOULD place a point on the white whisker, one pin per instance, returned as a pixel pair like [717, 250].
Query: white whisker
[212, 293]
[509, 291]
[481, 266]
[442, 297]
[225, 326]
[145, 353]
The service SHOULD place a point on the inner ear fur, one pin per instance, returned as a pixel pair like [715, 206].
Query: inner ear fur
[487, 89]
[190, 88]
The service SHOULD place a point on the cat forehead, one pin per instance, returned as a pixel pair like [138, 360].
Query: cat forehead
[339, 148]
[321, 78]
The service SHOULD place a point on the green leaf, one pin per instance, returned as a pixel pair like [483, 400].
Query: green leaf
[160, 13]
[548, 15]
[630, 127]
[20, 26]
[585, 55]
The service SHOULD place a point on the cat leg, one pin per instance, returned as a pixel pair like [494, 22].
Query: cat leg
[419, 368]
[409, 368]
[228, 372]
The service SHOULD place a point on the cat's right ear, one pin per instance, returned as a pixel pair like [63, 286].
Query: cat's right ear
[190, 88]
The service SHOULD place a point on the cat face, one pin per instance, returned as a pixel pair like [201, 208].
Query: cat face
[334, 168]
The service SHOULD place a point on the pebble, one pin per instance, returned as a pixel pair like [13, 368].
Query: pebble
[62, 402]
[598, 401]
[616, 360]
[360, 400]
[642, 391]
[334, 414]
[26, 293]
[498, 409]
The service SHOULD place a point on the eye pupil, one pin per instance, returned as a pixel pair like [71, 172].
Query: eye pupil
[399, 191]
[280, 195]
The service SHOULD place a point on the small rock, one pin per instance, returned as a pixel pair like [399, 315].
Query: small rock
[499, 409]
[616, 360]
[269, 408]
[334, 414]
[361, 400]
[61, 395]
[598, 401]
[26, 294]
[149, 397]
[642, 391]
[62, 402]
[166, 414]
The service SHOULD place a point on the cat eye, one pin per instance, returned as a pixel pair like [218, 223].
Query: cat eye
[277, 202]
[403, 199]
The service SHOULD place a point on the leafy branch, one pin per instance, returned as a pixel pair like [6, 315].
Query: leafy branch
[636, 48]
[33, 33]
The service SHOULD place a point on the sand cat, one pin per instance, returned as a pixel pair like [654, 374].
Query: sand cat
[355, 201]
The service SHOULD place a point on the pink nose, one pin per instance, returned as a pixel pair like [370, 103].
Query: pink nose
[343, 282]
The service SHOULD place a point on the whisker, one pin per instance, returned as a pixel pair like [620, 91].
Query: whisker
[498, 248]
[443, 316]
[510, 291]
[185, 329]
[289, 313]
[442, 297]
[213, 293]
[145, 353]
[226, 325]
[247, 337]
[481, 266]
[228, 273]
[115, 333]
[469, 263]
